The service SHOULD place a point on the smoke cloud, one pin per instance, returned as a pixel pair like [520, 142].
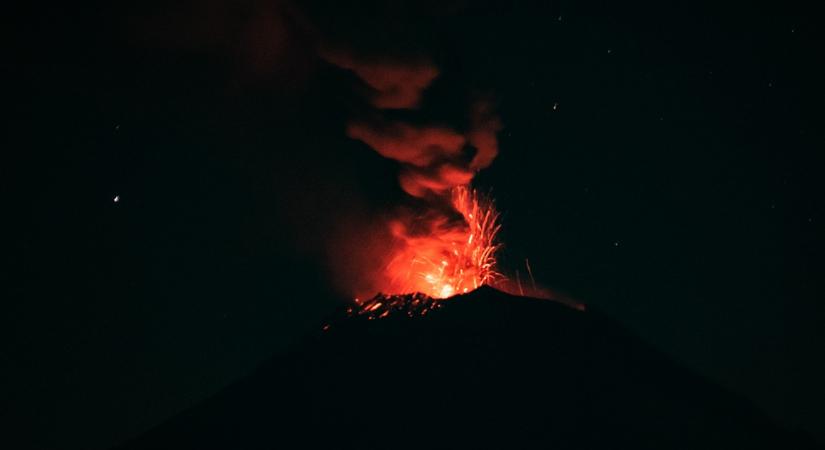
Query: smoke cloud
[434, 160]
[434, 157]
[395, 84]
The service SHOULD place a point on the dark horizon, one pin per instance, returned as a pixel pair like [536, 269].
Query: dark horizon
[660, 163]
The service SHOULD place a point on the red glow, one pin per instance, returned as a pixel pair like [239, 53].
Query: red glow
[441, 258]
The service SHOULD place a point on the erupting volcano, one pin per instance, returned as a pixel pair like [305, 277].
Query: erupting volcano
[358, 218]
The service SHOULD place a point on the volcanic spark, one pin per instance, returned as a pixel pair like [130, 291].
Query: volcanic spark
[441, 258]
[447, 246]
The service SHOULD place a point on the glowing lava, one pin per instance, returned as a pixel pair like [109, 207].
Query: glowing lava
[439, 257]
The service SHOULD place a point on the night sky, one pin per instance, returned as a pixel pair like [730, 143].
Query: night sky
[173, 177]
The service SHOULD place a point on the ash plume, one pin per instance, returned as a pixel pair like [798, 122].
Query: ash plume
[390, 54]
[395, 84]
[434, 247]
[434, 157]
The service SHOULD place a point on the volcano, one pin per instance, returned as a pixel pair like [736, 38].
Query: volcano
[482, 370]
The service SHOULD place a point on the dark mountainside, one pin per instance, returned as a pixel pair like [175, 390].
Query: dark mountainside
[487, 370]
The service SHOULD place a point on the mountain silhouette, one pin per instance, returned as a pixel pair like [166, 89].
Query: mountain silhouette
[485, 370]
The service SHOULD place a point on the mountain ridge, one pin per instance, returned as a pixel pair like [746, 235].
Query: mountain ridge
[484, 370]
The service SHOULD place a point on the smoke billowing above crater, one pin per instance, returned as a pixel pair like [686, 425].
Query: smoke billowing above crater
[443, 242]
[394, 86]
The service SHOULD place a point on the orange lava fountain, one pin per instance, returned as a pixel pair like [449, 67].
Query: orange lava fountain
[447, 258]
[436, 258]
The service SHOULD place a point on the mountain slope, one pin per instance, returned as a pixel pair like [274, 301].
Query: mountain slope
[486, 370]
